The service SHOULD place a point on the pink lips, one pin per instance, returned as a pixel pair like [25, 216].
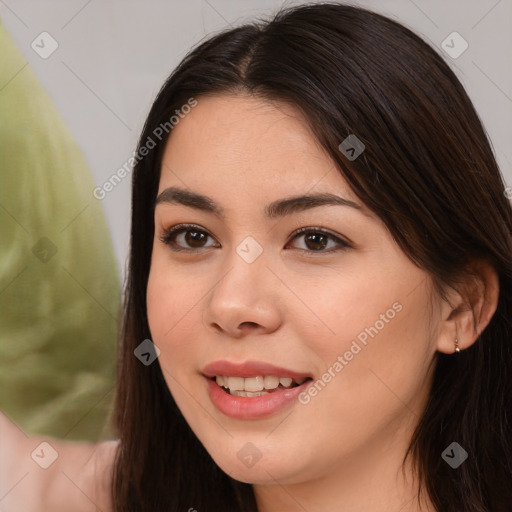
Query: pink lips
[249, 369]
[247, 408]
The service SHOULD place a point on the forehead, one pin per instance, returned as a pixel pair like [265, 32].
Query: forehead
[247, 147]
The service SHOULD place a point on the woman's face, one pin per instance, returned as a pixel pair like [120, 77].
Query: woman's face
[241, 294]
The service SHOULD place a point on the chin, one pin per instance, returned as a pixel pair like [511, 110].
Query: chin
[248, 464]
[259, 474]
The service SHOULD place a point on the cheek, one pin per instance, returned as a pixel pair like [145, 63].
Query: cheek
[374, 341]
[159, 305]
[381, 357]
[173, 303]
[169, 297]
[165, 306]
[345, 312]
[368, 388]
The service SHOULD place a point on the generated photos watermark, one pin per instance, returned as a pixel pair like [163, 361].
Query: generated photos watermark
[352, 147]
[343, 360]
[147, 352]
[454, 455]
[249, 454]
[158, 133]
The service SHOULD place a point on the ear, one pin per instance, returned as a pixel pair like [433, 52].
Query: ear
[467, 313]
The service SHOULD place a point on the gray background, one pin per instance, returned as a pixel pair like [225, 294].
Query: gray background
[113, 56]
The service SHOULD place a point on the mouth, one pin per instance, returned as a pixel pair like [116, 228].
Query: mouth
[260, 385]
[254, 389]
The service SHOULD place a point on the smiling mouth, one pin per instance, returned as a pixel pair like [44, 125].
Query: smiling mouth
[256, 386]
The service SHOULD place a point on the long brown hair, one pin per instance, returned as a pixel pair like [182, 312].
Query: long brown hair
[428, 171]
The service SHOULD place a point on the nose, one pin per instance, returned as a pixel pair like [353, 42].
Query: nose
[244, 300]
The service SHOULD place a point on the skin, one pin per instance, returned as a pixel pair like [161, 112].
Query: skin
[79, 479]
[287, 308]
[346, 445]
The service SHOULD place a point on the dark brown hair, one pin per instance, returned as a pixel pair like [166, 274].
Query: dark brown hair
[428, 171]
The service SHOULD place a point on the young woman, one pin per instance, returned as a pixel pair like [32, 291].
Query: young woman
[321, 253]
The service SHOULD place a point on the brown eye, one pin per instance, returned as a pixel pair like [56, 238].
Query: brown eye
[185, 237]
[316, 241]
[195, 238]
[319, 240]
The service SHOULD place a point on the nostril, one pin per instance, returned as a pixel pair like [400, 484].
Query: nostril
[251, 324]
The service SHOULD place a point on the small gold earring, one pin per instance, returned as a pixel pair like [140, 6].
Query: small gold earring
[457, 349]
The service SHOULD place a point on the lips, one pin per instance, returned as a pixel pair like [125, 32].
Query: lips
[251, 369]
[241, 403]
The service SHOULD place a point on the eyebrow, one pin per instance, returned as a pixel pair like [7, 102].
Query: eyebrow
[279, 208]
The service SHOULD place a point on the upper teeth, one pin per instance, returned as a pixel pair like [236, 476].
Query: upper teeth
[255, 383]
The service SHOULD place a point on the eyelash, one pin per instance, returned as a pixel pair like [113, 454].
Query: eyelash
[169, 235]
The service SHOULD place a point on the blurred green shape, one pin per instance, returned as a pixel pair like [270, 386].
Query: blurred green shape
[59, 285]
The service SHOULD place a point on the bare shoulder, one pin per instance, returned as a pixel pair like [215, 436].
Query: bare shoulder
[44, 474]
